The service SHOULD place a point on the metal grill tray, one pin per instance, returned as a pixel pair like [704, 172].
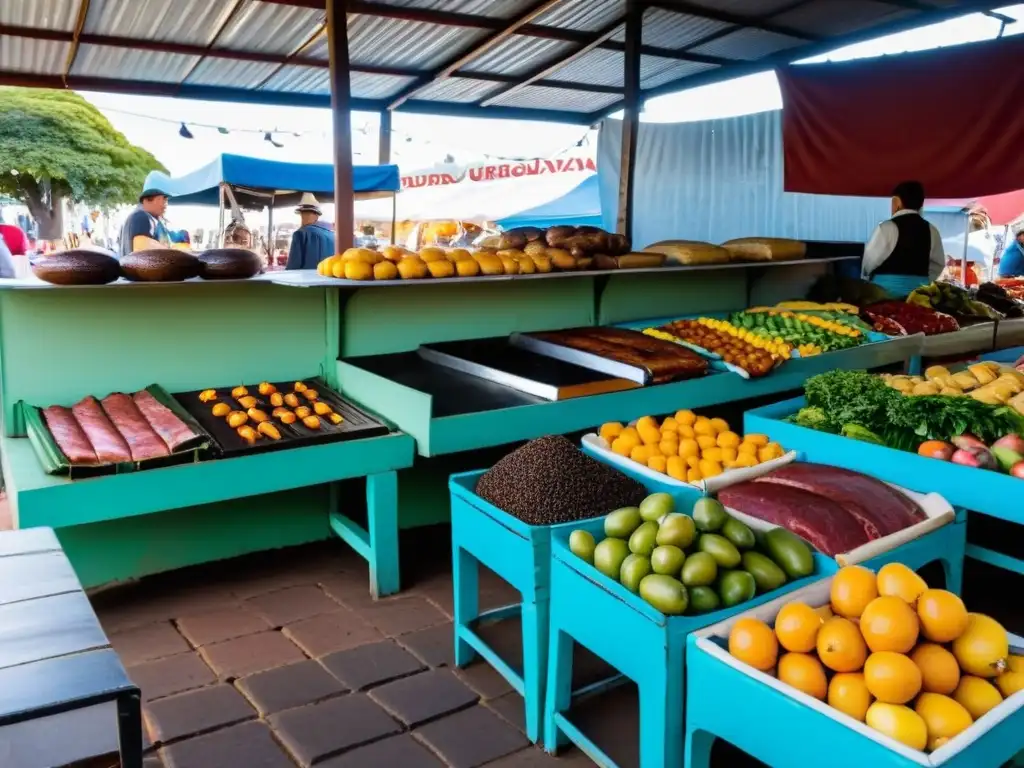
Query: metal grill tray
[356, 426]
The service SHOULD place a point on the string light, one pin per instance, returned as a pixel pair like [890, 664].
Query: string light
[366, 129]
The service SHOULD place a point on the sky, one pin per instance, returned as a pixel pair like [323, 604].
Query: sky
[421, 141]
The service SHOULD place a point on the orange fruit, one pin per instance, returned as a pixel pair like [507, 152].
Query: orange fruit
[939, 671]
[897, 580]
[753, 642]
[889, 624]
[805, 673]
[943, 716]
[850, 695]
[892, 677]
[900, 723]
[977, 696]
[853, 587]
[942, 614]
[983, 647]
[797, 627]
[840, 645]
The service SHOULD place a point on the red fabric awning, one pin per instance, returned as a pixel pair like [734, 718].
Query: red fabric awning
[951, 118]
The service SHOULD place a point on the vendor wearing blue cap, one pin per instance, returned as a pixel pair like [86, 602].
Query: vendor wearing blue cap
[143, 228]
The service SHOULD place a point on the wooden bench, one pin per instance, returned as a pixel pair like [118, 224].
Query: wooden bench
[55, 658]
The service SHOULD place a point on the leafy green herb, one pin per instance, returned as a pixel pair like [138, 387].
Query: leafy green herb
[810, 417]
[851, 397]
[936, 417]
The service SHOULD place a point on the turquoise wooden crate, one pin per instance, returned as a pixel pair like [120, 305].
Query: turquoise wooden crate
[984, 491]
[521, 555]
[787, 729]
[643, 644]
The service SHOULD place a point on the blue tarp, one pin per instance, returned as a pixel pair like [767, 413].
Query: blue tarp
[579, 207]
[290, 180]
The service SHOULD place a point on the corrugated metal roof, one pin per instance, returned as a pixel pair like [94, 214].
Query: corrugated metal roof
[583, 15]
[267, 44]
[150, 66]
[519, 55]
[840, 16]
[246, 31]
[299, 79]
[231, 74]
[395, 43]
[459, 89]
[37, 57]
[538, 97]
[667, 70]
[366, 86]
[746, 44]
[183, 21]
[49, 14]
[665, 29]
[502, 9]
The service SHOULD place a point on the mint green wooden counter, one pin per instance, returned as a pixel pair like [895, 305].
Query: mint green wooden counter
[59, 344]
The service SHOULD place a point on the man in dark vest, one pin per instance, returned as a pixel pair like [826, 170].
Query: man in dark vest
[906, 251]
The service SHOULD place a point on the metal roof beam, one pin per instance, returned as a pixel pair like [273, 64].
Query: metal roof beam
[83, 11]
[476, 21]
[750, 22]
[538, 75]
[475, 51]
[741, 69]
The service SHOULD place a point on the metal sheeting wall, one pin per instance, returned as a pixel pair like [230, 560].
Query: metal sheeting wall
[714, 180]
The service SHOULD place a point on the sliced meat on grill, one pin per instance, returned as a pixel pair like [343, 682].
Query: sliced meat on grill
[172, 430]
[106, 441]
[828, 526]
[880, 508]
[69, 435]
[142, 441]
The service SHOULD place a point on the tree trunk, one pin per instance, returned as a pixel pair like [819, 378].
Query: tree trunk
[46, 208]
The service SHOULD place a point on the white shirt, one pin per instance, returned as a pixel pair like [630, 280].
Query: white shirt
[883, 241]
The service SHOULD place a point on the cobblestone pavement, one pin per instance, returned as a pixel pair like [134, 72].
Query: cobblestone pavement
[283, 659]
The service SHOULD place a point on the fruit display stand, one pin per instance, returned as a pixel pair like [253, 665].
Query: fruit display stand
[59, 344]
[521, 555]
[643, 644]
[786, 728]
[990, 493]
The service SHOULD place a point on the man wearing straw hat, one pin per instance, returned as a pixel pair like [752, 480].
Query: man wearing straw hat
[312, 242]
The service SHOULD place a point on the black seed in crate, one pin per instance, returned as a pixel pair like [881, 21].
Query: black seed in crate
[549, 480]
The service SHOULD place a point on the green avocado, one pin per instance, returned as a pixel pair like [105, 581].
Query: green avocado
[790, 552]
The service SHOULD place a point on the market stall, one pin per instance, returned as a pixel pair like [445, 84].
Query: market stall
[235, 182]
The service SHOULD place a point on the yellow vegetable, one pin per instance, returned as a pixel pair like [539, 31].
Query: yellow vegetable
[728, 439]
[657, 463]
[688, 447]
[898, 722]
[706, 441]
[221, 409]
[693, 476]
[610, 430]
[641, 454]
[675, 466]
[687, 418]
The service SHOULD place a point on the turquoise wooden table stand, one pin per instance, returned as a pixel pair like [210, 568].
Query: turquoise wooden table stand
[986, 492]
[521, 555]
[787, 729]
[643, 644]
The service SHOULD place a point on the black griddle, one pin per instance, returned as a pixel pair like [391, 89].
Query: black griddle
[356, 425]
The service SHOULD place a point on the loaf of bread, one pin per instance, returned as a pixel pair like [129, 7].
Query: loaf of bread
[689, 252]
[765, 249]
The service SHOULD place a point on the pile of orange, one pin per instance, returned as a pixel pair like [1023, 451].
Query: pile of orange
[907, 660]
[688, 447]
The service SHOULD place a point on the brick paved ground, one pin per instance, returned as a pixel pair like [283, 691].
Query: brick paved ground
[283, 659]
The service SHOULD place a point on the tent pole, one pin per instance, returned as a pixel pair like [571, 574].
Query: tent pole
[270, 233]
[220, 229]
[631, 117]
[384, 138]
[337, 45]
[963, 258]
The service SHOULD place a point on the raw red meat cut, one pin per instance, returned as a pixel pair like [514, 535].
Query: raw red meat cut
[69, 435]
[106, 441]
[880, 508]
[172, 430]
[142, 441]
[829, 527]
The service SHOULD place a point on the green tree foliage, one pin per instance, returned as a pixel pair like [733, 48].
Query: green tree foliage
[54, 145]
